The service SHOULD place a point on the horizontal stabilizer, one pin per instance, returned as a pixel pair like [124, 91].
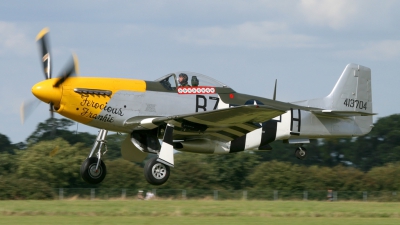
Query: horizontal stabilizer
[333, 113]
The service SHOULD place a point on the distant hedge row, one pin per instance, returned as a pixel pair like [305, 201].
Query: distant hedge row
[35, 172]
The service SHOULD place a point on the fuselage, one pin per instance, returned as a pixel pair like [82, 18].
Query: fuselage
[108, 103]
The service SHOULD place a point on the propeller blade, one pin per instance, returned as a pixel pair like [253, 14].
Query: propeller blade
[51, 110]
[274, 97]
[53, 128]
[41, 38]
[27, 108]
[71, 69]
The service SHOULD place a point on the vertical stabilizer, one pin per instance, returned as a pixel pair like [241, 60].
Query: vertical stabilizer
[352, 91]
[346, 111]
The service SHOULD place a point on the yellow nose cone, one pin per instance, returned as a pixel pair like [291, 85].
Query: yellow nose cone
[47, 93]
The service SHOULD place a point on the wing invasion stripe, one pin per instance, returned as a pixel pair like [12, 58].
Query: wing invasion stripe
[238, 144]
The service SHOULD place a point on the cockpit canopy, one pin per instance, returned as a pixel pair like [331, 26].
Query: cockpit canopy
[188, 79]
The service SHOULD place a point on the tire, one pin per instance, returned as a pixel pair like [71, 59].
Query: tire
[300, 153]
[88, 172]
[156, 173]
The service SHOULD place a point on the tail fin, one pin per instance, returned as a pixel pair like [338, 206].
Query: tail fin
[349, 105]
[351, 97]
[352, 92]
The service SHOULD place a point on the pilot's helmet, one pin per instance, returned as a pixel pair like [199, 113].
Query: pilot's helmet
[184, 78]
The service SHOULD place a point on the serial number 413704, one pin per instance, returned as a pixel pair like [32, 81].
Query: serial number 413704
[355, 103]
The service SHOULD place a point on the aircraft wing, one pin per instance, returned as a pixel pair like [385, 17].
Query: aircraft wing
[226, 124]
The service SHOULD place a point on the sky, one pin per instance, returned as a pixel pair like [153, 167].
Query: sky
[246, 45]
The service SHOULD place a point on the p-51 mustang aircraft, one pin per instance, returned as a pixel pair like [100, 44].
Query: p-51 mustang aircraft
[191, 112]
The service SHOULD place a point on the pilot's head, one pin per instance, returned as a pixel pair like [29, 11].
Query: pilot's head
[183, 78]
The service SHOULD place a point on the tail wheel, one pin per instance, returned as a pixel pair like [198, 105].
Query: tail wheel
[90, 174]
[300, 153]
[156, 173]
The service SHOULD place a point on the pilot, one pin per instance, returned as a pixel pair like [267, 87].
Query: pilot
[183, 80]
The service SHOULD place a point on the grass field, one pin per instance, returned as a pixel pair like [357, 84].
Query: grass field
[197, 212]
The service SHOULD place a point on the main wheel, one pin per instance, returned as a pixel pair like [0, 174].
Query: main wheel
[89, 172]
[300, 153]
[155, 172]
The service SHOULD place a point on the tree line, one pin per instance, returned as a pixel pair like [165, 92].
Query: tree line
[44, 161]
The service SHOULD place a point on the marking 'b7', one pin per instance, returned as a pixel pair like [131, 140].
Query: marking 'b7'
[201, 102]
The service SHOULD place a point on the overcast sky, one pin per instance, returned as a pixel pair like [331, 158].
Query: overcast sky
[244, 44]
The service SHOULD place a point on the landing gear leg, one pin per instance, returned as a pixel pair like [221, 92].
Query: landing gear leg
[300, 152]
[157, 169]
[93, 170]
